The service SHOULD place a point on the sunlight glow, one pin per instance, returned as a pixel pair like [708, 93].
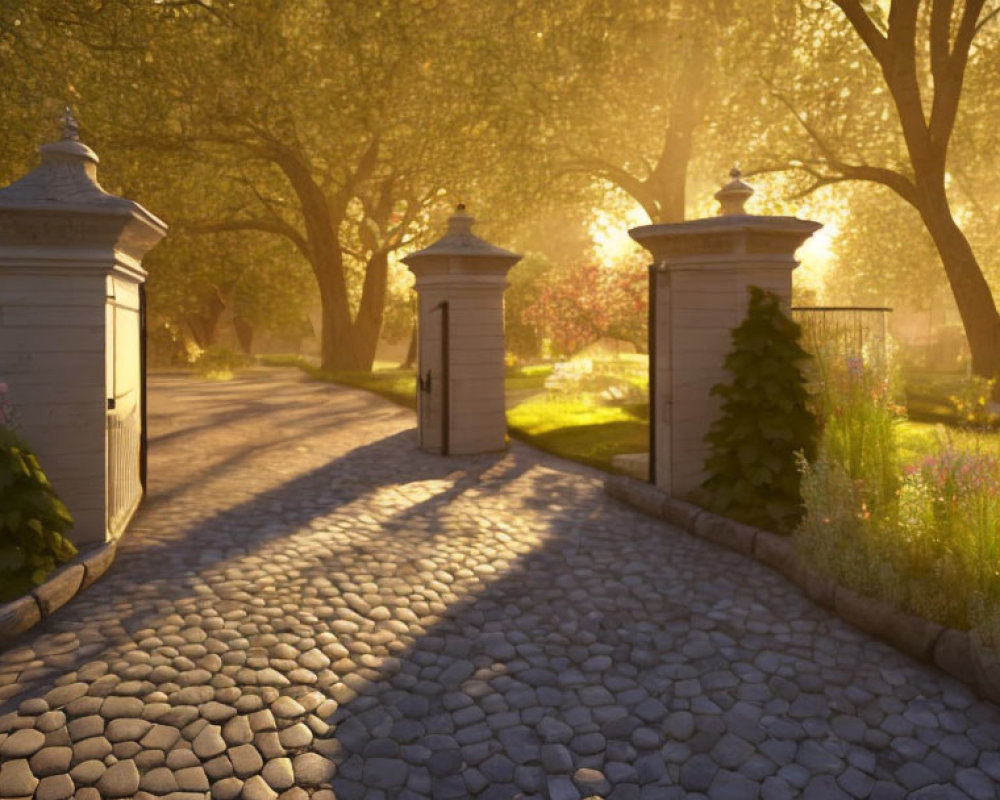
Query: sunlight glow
[816, 257]
[609, 232]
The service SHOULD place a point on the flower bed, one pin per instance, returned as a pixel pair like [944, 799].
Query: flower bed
[906, 513]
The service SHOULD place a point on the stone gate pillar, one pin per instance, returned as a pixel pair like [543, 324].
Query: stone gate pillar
[460, 362]
[70, 331]
[700, 276]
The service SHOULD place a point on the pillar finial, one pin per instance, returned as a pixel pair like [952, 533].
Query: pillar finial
[734, 195]
[71, 128]
[460, 222]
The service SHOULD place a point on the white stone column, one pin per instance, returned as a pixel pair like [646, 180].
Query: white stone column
[702, 270]
[460, 283]
[70, 272]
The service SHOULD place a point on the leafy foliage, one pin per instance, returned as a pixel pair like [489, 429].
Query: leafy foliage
[895, 510]
[218, 363]
[32, 520]
[765, 421]
[931, 548]
[577, 308]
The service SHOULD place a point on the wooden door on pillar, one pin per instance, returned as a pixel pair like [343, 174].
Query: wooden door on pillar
[433, 379]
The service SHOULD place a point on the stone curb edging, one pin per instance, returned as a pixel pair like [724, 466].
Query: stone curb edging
[953, 651]
[63, 585]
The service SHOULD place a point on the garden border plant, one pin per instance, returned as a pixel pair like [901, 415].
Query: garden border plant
[32, 518]
[900, 538]
[765, 424]
[899, 516]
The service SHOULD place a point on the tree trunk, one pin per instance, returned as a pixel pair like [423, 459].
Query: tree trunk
[335, 339]
[244, 334]
[411, 350]
[345, 343]
[949, 42]
[367, 325]
[970, 289]
[205, 327]
[348, 344]
[668, 181]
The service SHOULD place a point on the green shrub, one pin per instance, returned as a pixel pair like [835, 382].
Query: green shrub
[32, 520]
[765, 421]
[220, 363]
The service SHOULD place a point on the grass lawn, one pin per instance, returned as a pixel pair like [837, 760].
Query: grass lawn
[398, 385]
[919, 440]
[578, 430]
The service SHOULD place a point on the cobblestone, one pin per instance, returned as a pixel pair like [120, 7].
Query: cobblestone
[307, 606]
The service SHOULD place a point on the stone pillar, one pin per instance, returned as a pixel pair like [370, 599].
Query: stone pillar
[701, 272]
[460, 283]
[70, 347]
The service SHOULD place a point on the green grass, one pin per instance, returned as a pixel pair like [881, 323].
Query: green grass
[281, 360]
[527, 378]
[398, 385]
[918, 440]
[542, 415]
[946, 397]
[579, 431]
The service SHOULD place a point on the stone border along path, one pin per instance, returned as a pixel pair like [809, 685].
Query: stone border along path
[307, 606]
[956, 652]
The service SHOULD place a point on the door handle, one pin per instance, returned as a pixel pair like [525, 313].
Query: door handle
[424, 381]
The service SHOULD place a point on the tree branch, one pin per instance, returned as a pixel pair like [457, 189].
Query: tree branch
[983, 22]
[948, 67]
[274, 226]
[599, 168]
[873, 38]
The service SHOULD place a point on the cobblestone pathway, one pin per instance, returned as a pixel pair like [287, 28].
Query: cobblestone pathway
[308, 606]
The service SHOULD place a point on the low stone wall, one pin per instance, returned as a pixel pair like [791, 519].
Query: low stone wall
[955, 652]
[63, 585]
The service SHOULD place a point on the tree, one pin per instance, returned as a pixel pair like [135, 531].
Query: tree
[629, 92]
[346, 186]
[909, 95]
[881, 258]
[577, 307]
[245, 284]
[338, 143]
[337, 124]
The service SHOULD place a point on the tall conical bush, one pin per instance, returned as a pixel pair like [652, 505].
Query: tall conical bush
[765, 421]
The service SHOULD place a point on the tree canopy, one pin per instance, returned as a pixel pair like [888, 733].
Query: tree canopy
[292, 138]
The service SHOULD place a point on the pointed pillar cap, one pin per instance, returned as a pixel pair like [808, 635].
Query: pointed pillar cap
[67, 176]
[69, 148]
[459, 240]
